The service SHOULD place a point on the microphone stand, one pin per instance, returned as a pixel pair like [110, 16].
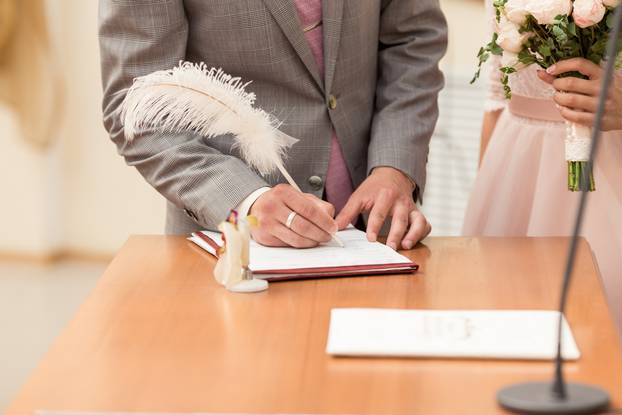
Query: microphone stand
[561, 397]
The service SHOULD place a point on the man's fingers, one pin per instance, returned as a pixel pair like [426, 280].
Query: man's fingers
[291, 238]
[378, 214]
[587, 68]
[300, 204]
[350, 212]
[577, 85]
[308, 230]
[327, 207]
[300, 224]
[322, 204]
[263, 237]
[272, 227]
[419, 229]
[576, 101]
[277, 205]
[399, 225]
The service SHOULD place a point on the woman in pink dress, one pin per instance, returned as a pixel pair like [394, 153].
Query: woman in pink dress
[521, 189]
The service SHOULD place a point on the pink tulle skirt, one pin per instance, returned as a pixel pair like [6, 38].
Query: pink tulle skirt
[521, 190]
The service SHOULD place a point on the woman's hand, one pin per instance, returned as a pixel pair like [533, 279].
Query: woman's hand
[578, 98]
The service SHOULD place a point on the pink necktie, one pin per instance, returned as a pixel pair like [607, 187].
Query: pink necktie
[339, 186]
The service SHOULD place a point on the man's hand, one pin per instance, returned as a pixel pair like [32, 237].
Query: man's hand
[387, 192]
[578, 98]
[312, 225]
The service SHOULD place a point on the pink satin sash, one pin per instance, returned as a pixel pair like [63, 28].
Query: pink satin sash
[540, 109]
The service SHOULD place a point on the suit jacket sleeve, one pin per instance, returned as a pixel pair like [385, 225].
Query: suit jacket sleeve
[140, 37]
[412, 40]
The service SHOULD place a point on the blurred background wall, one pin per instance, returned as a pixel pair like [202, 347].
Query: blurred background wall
[77, 197]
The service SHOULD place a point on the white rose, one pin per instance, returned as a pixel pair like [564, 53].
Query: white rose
[509, 37]
[516, 11]
[545, 11]
[587, 13]
[611, 3]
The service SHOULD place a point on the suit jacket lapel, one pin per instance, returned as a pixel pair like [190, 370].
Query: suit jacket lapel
[332, 13]
[285, 14]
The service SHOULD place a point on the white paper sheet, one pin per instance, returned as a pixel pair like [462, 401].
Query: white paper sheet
[357, 251]
[448, 334]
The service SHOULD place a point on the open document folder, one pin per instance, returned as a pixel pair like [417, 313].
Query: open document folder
[357, 257]
[465, 334]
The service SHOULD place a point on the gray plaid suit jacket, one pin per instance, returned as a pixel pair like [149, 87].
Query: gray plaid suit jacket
[379, 91]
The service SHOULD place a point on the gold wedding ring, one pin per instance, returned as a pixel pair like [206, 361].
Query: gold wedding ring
[290, 219]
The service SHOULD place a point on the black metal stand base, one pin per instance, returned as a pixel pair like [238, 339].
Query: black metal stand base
[538, 398]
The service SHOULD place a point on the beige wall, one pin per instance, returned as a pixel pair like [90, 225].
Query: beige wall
[105, 200]
[467, 32]
[27, 183]
[80, 196]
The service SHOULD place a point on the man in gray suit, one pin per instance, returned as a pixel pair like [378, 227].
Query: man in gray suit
[356, 81]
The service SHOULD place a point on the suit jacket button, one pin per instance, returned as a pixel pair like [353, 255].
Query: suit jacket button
[332, 102]
[316, 182]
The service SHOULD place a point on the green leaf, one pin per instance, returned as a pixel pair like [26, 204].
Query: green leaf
[561, 20]
[506, 86]
[499, 6]
[560, 35]
[484, 53]
[493, 47]
[545, 51]
[526, 58]
[496, 50]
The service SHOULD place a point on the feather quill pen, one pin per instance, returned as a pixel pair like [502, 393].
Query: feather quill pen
[191, 97]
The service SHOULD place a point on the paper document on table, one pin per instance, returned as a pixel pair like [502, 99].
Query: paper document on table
[358, 256]
[448, 334]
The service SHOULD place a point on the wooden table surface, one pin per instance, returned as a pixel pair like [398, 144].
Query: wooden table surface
[158, 334]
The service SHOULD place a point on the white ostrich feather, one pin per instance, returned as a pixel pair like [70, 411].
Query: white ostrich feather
[191, 97]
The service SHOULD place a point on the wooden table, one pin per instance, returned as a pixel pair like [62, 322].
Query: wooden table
[158, 334]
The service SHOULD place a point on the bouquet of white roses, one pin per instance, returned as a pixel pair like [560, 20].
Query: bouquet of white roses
[544, 32]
